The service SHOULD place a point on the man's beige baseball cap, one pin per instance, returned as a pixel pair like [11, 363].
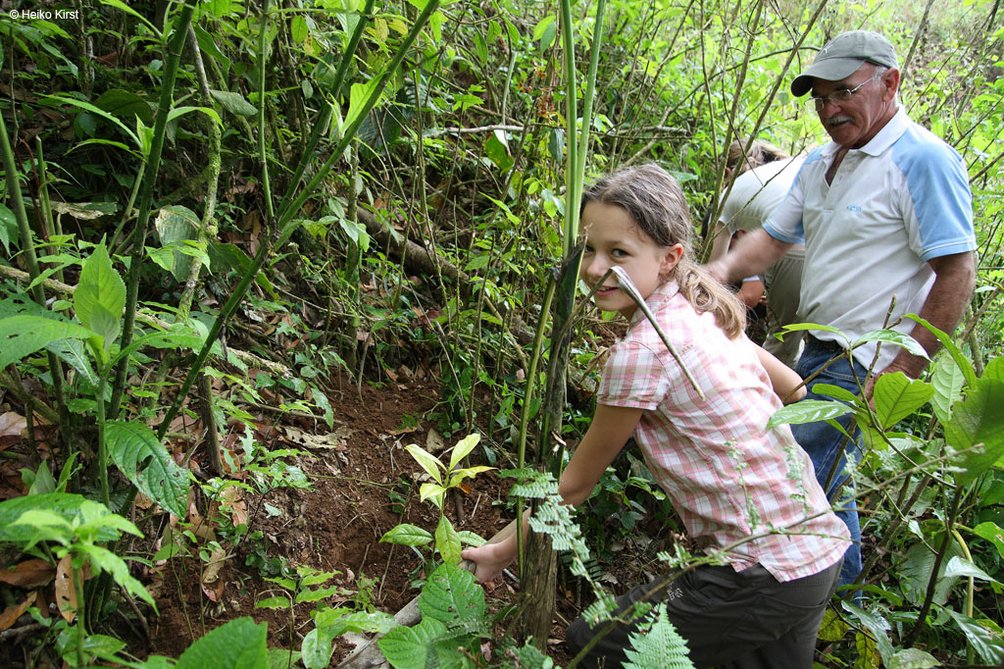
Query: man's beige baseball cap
[843, 55]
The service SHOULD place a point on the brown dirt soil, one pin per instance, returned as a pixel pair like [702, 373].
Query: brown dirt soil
[362, 483]
[335, 525]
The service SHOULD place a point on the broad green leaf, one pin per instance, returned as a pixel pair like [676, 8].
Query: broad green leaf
[428, 461]
[448, 541]
[948, 381]
[235, 103]
[100, 296]
[452, 596]
[87, 106]
[23, 335]
[118, 4]
[332, 623]
[315, 649]
[125, 105]
[68, 506]
[984, 636]
[961, 360]
[298, 29]
[808, 411]
[45, 525]
[315, 595]
[178, 112]
[836, 392]
[342, 620]
[103, 646]
[892, 337]
[8, 228]
[175, 223]
[878, 628]
[409, 647]
[102, 559]
[978, 419]
[145, 461]
[360, 98]
[897, 397]
[915, 572]
[208, 46]
[468, 538]
[913, 658]
[407, 535]
[803, 327]
[280, 658]
[312, 579]
[181, 337]
[963, 568]
[277, 602]
[833, 628]
[464, 448]
[466, 473]
[434, 492]
[238, 644]
[992, 533]
[73, 353]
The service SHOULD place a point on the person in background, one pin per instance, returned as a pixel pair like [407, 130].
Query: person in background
[737, 486]
[885, 213]
[765, 174]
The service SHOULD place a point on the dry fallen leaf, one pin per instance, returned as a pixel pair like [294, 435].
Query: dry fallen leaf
[28, 574]
[335, 440]
[11, 425]
[10, 615]
[216, 561]
[66, 593]
[434, 442]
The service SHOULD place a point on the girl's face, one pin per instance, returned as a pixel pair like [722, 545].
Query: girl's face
[614, 239]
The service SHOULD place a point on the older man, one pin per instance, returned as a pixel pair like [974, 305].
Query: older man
[885, 213]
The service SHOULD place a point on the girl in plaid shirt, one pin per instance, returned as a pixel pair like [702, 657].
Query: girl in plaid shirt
[738, 487]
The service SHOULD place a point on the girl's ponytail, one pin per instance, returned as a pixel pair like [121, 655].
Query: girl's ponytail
[707, 294]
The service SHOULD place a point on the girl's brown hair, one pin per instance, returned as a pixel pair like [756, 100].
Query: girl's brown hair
[656, 204]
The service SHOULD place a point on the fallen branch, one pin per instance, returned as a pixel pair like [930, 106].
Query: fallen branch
[419, 260]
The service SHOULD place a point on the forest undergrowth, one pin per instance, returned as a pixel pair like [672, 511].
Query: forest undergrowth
[283, 324]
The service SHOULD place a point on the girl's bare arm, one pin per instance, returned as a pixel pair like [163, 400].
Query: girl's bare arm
[608, 432]
[786, 383]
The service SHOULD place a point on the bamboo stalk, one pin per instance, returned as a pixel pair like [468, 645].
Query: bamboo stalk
[174, 50]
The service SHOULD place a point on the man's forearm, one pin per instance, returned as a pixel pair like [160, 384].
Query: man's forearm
[944, 307]
[751, 255]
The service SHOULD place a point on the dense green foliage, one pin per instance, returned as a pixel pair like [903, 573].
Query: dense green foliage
[391, 179]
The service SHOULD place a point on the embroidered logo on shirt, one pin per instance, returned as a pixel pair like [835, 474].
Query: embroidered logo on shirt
[854, 209]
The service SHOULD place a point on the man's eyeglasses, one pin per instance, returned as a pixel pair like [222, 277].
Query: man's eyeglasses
[837, 96]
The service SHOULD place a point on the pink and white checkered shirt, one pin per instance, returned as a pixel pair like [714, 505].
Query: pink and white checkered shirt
[729, 478]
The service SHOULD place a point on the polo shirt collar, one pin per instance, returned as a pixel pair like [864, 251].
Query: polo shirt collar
[659, 297]
[885, 137]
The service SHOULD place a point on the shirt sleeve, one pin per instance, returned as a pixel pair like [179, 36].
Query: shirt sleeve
[939, 200]
[633, 377]
[785, 222]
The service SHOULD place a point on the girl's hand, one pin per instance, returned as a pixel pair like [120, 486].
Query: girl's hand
[489, 560]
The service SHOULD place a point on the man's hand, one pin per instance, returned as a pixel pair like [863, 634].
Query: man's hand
[911, 365]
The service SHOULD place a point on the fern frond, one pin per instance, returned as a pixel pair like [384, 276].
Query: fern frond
[657, 645]
[530, 657]
[531, 484]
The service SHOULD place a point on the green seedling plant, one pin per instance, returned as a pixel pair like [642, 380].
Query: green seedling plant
[67, 531]
[447, 541]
